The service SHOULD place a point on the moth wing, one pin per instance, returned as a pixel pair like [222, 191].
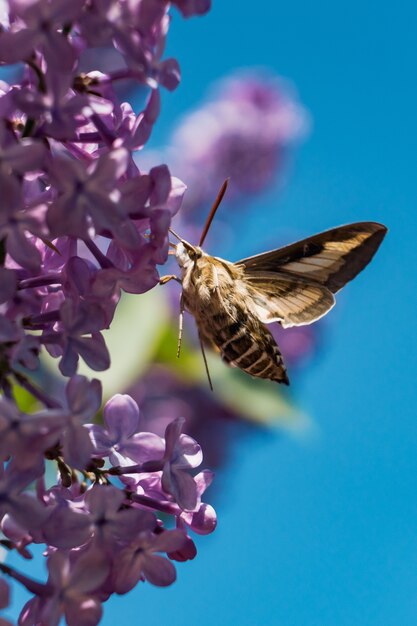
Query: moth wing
[331, 258]
[289, 300]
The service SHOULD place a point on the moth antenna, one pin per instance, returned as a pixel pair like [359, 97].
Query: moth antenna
[213, 211]
[205, 363]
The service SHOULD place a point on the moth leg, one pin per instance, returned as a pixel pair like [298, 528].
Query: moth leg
[165, 279]
[180, 325]
[205, 362]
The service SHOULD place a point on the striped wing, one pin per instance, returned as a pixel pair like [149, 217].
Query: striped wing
[295, 285]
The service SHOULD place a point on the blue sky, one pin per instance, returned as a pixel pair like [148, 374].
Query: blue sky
[320, 530]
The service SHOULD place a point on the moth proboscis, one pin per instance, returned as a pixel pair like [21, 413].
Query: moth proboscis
[294, 286]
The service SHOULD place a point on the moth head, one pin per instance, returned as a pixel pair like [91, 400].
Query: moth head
[186, 253]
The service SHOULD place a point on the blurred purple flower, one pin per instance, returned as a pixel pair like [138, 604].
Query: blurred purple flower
[192, 7]
[25, 509]
[26, 437]
[242, 133]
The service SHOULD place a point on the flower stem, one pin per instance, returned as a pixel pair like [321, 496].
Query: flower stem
[31, 585]
[37, 393]
[106, 134]
[40, 281]
[42, 318]
[152, 503]
[104, 262]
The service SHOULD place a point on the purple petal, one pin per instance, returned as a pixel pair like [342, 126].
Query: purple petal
[186, 553]
[159, 570]
[169, 540]
[94, 352]
[144, 447]
[85, 612]
[77, 447]
[16, 46]
[28, 512]
[172, 433]
[101, 441]
[161, 179]
[26, 156]
[22, 250]
[176, 195]
[121, 416]
[203, 521]
[59, 53]
[103, 500]
[89, 572]
[83, 395]
[182, 487]
[169, 74]
[128, 571]
[67, 528]
[111, 166]
[189, 453]
[203, 481]
[128, 524]
[69, 361]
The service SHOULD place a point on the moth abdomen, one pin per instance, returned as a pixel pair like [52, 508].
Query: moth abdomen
[248, 345]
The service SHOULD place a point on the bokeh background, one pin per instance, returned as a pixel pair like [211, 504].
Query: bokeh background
[317, 512]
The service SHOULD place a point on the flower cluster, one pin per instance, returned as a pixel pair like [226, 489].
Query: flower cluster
[79, 224]
[101, 539]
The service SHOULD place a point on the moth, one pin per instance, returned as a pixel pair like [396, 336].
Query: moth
[233, 302]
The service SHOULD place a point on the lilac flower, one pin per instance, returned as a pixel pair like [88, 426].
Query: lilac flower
[203, 520]
[181, 454]
[59, 112]
[101, 517]
[35, 25]
[88, 196]
[78, 320]
[120, 439]
[138, 561]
